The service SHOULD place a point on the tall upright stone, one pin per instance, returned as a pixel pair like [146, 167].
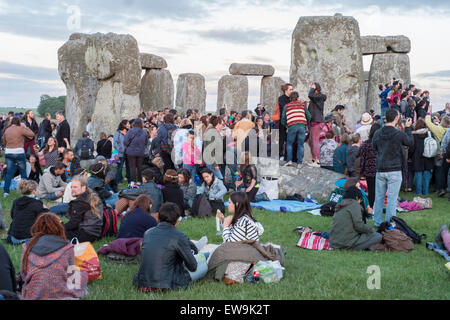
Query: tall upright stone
[191, 92]
[102, 76]
[233, 93]
[384, 67]
[157, 90]
[270, 92]
[327, 50]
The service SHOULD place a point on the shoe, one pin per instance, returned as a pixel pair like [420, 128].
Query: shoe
[302, 229]
[313, 164]
[5, 195]
[438, 238]
[299, 166]
[441, 193]
[281, 158]
[289, 164]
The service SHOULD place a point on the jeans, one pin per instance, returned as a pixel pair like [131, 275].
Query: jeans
[296, 132]
[59, 209]
[192, 168]
[135, 168]
[425, 176]
[202, 266]
[17, 241]
[217, 173]
[50, 196]
[391, 182]
[12, 162]
[112, 199]
[120, 165]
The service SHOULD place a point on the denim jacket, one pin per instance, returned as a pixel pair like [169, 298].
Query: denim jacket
[216, 191]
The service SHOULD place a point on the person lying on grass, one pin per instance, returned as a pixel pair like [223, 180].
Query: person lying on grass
[348, 230]
[48, 261]
[168, 261]
[241, 225]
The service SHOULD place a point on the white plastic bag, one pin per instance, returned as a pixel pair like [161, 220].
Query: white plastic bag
[270, 187]
[269, 271]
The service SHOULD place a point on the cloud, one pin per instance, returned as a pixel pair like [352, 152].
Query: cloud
[239, 36]
[29, 72]
[437, 74]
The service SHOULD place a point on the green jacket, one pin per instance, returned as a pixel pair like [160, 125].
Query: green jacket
[284, 118]
[348, 229]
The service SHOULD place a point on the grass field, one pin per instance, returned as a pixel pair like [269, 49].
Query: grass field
[419, 274]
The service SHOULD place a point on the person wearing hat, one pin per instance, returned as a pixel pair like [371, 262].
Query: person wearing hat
[366, 124]
[348, 230]
[96, 182]
[110, 174]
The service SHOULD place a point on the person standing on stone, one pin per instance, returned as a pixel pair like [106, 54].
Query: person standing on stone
[295, 118]
[384, 103]
[283, 100]
[13, 140]
[369, 163]
[136, 142]
[366, 124]
[28, 120]
[389, 144]
[119, 136]
[62, 131]
[316, 109]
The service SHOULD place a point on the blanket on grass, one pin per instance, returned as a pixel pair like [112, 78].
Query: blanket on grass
[308, 240]
[284, 205]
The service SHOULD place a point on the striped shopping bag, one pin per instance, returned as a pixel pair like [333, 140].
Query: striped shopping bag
[308, 240]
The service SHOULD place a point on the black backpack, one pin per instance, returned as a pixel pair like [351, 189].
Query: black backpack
[401, 225]
[109, 227]
[328, 209]
[85, 150]
[201, 207]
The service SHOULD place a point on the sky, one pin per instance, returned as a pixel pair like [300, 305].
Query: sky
[207, 36]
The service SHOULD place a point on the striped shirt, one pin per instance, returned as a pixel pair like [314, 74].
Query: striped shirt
[295, 113]
[244, 229]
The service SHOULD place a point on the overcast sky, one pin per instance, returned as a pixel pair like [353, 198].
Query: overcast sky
[207, 36]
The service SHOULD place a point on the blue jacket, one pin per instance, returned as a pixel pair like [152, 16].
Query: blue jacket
[149, 188]
[136, 142]
[135, 223]
[118, 143]
[340, 159]
[216, 191]
[79, 144]
[163, 133]
[383, 96]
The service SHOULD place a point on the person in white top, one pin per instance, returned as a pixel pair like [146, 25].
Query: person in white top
[366, 124]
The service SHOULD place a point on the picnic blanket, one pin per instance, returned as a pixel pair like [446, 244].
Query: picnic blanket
[285, 205]
[308, 240]
[440, 249]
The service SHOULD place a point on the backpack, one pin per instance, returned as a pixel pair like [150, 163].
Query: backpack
[85, 151]
[336, 195]
[109, 227]
[328, 209]
[201, 207]
[430, 147]
[401, 225]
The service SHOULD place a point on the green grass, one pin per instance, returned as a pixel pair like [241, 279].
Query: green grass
[419, 274]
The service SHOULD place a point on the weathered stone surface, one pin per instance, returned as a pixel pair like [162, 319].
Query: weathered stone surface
[157, 90]
[244, 69]
[270, 92]
[327, 50]
[191, 93]
[384, 67]
[316, 181]
[233, 93]
[102, 75]
[379, 44]
[152, 61]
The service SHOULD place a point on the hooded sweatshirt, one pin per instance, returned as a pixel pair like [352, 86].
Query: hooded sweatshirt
[24, 213]
[50, 183]
[49, 270]
[389, 144]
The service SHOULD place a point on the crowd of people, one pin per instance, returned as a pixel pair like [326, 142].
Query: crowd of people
[175, 166]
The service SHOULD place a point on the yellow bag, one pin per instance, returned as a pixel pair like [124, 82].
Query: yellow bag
[87, 260]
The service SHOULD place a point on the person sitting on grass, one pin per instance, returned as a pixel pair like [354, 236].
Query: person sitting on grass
[138, 219]
[24, 212]
[128, 196]
[7, 272]
[188, 186]
[172, 191]
[84, 213]
[214, 190]
[168, 260]
[51, 185]
[48, 261]
[241, 225]
[96, 182]
[348, 230]
[249, 176]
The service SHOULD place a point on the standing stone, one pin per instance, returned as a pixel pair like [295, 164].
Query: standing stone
[233, 93]
[327, 50]
[270, 92]
[152, 61]
[379, 44]
[385, 67]
[244, 69]
[157, 90]
[191, 92]
[102, 75]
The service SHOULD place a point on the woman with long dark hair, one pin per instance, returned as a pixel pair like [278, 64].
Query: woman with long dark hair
[241, 225]
[138, 219]
[187, 185]
[369, 163]
[214, 190]
[316, 108]
[50, 153]
[118, 139]
[249, 175]
[47, 263]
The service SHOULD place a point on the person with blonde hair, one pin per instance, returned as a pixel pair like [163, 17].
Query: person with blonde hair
[24, 212]
[84, 213]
